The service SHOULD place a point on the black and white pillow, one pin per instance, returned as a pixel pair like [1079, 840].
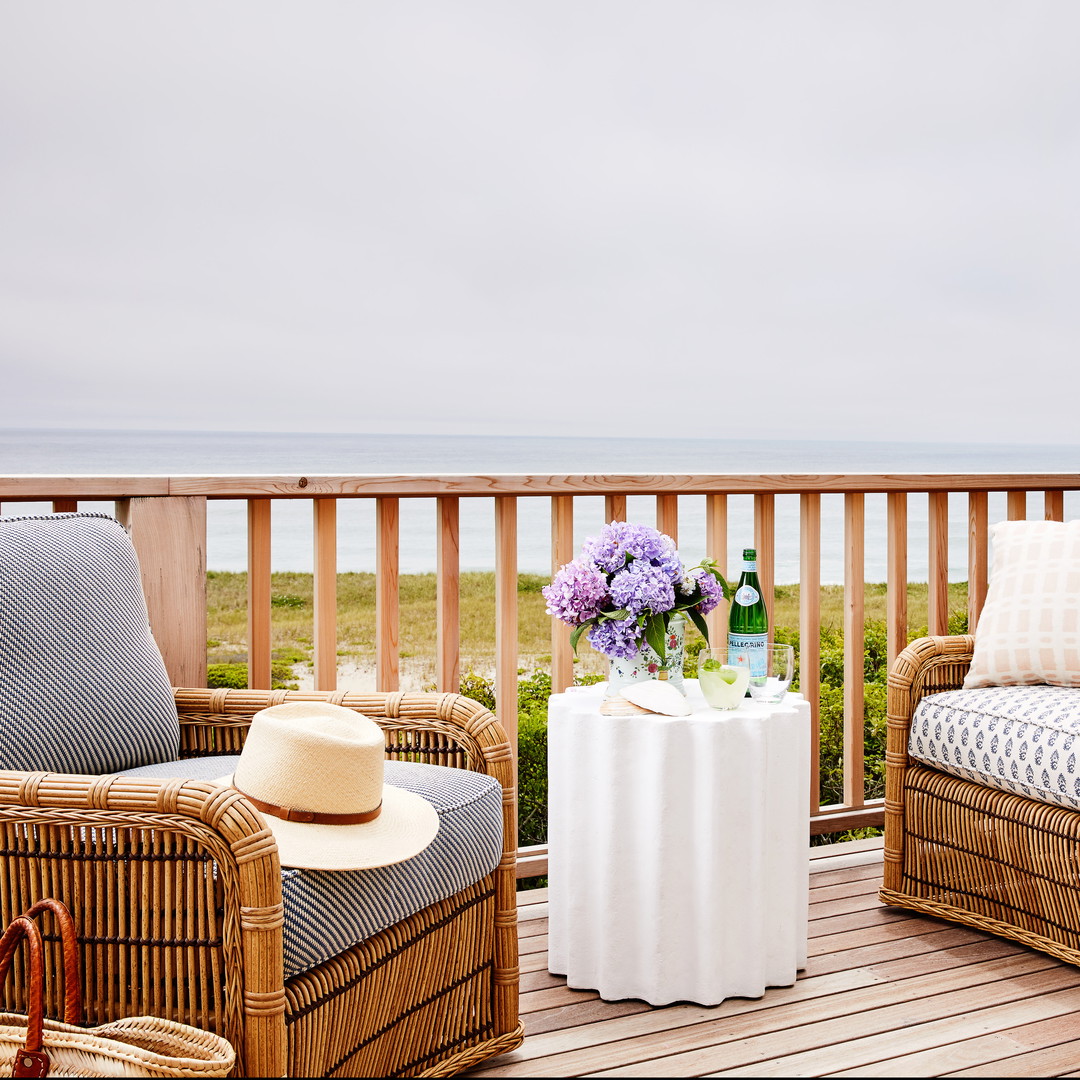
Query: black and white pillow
[83, 688]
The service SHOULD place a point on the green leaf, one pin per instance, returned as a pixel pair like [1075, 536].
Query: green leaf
[620, 613]
[575, 635]
[655, 635]
[699, 622]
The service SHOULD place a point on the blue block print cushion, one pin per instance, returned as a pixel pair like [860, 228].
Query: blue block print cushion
[83, 688]
[327, 911]
[1024, 739]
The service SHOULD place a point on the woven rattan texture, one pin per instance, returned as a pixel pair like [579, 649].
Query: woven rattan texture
[966, 852]
[176, 891]
[433, 969]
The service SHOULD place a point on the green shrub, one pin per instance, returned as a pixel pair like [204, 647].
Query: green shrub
[479, 689]
[533, 692]
[235, 676]
[287, 600]
[532, 779]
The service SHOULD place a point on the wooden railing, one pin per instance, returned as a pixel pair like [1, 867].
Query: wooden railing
[167, 517]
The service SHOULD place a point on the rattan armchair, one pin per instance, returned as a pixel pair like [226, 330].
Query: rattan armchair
[959, 850]
[178, 900]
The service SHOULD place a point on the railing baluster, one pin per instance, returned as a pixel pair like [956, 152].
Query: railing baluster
[562, 551]
[810, 629]
[506, 607]
[977, 556]
[716, 542]
[448, 586]
[938, 584]
[387, 618]
[1017, 505]
[896, 616]
[259, 638]
[765, 542]
[667, 515]
[854, 647]
[614, 507]
[324, 523]
[169, 536]
[1054, 505]
[65, 506]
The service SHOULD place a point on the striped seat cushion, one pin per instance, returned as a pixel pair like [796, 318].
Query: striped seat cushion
[327, 911]
[1023, 739]
[83, 688]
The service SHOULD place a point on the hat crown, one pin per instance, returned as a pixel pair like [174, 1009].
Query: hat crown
[313, 756]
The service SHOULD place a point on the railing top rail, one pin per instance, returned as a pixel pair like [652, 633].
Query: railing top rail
[34, 488]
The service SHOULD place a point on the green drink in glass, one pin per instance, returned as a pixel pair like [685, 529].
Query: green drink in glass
[724, 675]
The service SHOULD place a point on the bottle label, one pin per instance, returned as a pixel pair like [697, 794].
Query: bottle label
[750, 566]
[746, 595]
[754, 646]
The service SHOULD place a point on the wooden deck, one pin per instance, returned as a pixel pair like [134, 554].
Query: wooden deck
[884, 993]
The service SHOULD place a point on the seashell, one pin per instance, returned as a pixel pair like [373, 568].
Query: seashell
[619, 706]
[657, 697]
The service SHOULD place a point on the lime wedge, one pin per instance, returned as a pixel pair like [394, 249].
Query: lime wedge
[729, 674]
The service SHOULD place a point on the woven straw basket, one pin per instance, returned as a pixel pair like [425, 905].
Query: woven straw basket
[32, 1045]
[134, 1046]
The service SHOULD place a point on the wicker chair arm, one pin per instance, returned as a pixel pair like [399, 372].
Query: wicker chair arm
[225, 817]
[63, 813]
[928, 665]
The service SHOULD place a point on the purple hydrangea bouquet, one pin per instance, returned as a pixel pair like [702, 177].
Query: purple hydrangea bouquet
[625, 587]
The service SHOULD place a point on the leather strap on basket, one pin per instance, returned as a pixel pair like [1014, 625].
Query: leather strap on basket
[73, 1013]
[31, 1060]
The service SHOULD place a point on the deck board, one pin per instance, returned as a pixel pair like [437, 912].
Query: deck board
[885, 993]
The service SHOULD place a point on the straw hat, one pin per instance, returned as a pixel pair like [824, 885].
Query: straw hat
[315, 772]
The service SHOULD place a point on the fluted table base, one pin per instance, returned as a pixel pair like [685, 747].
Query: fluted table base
[678, 866]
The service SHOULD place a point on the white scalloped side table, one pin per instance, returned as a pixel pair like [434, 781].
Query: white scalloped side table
[678, 848]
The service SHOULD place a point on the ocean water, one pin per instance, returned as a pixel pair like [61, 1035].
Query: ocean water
[69, 453]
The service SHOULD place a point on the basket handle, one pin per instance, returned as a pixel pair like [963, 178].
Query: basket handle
[72, 981]
[31, 1060]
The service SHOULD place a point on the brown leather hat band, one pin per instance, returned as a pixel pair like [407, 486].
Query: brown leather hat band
[311, 817]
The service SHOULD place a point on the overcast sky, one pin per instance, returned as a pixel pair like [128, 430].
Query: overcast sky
[771, 219]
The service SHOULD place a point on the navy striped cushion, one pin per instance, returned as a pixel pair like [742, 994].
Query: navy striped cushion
[327, 911]
[83, 688]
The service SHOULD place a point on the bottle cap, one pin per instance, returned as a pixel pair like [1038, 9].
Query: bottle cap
[749, 553]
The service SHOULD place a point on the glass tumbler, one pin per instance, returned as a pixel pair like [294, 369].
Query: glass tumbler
[772, 684]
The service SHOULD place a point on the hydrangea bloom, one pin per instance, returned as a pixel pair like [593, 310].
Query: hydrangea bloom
[620, 539]
[642, 587]
[577, 594]
[617, 637]
[634, 573]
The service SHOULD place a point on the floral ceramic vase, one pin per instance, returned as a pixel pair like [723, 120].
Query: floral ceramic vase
[647, 665]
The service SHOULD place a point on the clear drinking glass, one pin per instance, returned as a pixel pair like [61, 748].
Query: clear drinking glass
[779, 666]
[723, 675]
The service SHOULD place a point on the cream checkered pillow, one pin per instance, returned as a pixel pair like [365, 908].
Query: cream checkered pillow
[1029, 629]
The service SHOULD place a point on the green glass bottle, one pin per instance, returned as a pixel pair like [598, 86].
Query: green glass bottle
[748, 622]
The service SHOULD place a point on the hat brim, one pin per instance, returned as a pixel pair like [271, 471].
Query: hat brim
[407, 824]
